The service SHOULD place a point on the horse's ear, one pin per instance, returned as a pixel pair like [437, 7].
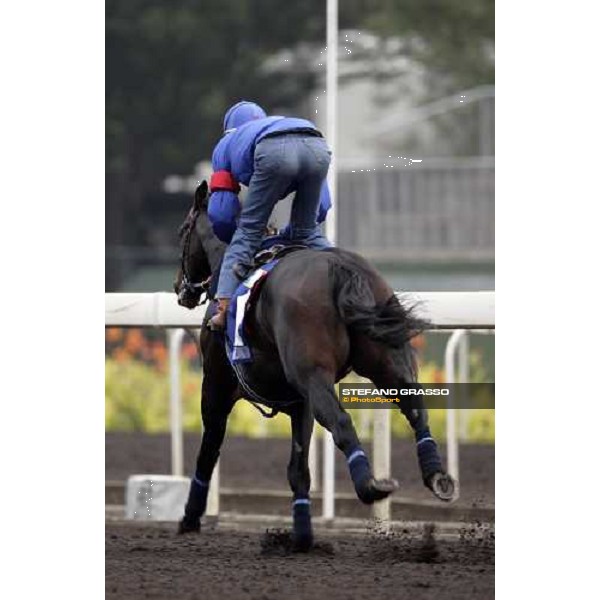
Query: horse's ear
[201, 196]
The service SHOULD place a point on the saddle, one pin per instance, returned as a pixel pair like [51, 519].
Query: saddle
[264, 256]
[244, 270]
[252, 278]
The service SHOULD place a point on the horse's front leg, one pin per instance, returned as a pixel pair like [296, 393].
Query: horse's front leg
[218, 397]
[299, 474]
[215, 425]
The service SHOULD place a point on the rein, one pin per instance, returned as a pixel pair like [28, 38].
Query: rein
[187, 284]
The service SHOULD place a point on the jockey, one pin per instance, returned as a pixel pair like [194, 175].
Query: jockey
[273, 156]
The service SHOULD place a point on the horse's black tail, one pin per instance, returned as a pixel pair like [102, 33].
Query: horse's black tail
[392, 323]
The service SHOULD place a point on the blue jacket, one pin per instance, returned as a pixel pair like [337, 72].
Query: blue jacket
[235, 153]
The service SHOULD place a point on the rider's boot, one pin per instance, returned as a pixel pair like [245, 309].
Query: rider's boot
[218, 321]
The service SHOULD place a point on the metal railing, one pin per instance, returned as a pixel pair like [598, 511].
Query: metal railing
[439, 210]
[434, 210]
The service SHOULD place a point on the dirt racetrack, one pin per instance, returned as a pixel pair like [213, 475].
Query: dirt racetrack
[151, 561]
[242, 561]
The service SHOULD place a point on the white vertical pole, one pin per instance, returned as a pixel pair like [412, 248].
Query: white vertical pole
[313, 462]
[451, 438]
[331, 226]
[175, 338]
[331, 90]
[212, 502]
[328, 477]
[463, 377]
[364, 424]
[382, 462]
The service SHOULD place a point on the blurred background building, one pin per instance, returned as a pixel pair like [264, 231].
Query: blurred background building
[416, 125]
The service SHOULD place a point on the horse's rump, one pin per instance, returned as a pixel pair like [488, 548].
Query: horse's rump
[384, 319]
[361, 298]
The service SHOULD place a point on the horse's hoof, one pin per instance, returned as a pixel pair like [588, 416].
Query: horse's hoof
[303, 542]
[188, 526]
[443, 486]
[377, 489]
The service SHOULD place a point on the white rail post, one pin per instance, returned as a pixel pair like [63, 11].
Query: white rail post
[382, 432]
[332, 93]
[331, 225]
[364, 424]
[313, 461]
[175, 339]
[463, 377]
[328, 476]
[451, 438]
[212, 502]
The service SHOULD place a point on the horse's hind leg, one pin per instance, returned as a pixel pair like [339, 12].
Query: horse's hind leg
[218, 389]
[299, 474]
[430, 463]
[318, 386]
[388, 368]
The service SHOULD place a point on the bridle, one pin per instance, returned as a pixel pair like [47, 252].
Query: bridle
[188, 286]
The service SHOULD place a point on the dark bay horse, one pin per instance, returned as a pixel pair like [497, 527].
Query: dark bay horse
[319, 315]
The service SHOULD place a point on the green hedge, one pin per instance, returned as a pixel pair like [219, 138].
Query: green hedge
[137, 399]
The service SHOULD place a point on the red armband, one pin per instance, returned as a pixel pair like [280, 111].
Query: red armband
[224, 180]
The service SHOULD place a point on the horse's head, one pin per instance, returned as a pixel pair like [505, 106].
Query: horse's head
[201, 252]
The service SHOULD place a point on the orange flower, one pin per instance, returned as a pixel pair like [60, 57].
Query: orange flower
[438, 376]
[191, 388]
[114, 334]
[418, 342]
[134, 341]
[189, 351]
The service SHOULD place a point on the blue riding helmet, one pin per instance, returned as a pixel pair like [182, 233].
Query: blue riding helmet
[241, 113]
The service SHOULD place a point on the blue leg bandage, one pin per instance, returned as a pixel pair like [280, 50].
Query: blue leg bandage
[196, 503]
[358, 463]
[301, 514]
[429, 457]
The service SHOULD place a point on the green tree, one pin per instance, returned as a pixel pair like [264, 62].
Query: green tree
[171, 70]
[454, 39]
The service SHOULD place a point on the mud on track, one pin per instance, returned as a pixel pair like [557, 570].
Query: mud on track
[150, 561]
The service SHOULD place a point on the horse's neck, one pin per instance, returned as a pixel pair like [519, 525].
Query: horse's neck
[215, 253]
[213, 246]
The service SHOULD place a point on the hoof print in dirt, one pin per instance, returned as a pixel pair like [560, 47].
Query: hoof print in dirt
[186, 526]
[443, 487]
[428, 552]
[377, 489]
[278, 542]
